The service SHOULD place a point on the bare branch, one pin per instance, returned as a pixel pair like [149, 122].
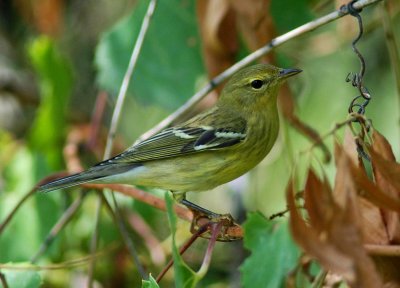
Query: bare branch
[64, 219]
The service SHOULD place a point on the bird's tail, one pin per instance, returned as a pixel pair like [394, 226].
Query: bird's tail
[95, 173]
[69, 181]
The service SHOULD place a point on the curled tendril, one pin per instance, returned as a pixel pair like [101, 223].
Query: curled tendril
[356, 79]
[360, 102]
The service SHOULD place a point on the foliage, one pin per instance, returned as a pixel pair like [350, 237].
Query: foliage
[48, 130]
[348, 219]
[21, 279]
[184, 276]
[335, 208]
[164, 74]
[267, 266]
[288, 19]
[151, 283]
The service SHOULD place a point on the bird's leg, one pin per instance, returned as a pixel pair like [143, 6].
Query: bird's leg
[181, 198]
[203, 217]
[198, 208]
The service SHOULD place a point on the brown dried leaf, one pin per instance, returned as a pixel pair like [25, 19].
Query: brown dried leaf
[318, 202]
[255, 23]
[219, 36]
[346, 237]
[381, 154]
[46, 15]
[392, 226]
[372, 192]
[389, 270]
[366, 215]
[344, 188]
[345, 229]
[337, 230]
[314, 245]
[219, 22]
[373, 224]
[352, 222]
[350, 147]
[382, 146]
[388, 169]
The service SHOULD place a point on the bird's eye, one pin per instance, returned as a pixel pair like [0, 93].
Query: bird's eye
[257, 84]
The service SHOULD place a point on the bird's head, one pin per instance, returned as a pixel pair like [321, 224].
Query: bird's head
[255, 85]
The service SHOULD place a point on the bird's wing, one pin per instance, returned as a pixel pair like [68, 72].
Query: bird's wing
[186, 139]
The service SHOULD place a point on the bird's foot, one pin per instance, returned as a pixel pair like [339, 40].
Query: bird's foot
[204, 219]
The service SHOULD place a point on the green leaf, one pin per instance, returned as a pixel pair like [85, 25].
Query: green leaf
[288, 14]
[19, 180]
[55, 79]
[169, 63]
[35, 217]
[21, 278]
[273, 253]
[151, 283]
[184, 276]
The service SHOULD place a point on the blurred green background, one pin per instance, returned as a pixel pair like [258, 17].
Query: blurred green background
[56, 57]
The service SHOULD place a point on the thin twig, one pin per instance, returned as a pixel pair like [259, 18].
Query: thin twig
[94, 241]
[64, 265]
[215, 229]
[26, 196]
[310, 26]
[278, 214]
[3, 280]
[127, 78]
[62, 221]
[98, 114]
[111, 136]
[383, 250]
[107, 205]
[16, 208]
[144, 197]
[331, 132]
[129, 243]
[154, 246]
[320, 279]
[182, 250]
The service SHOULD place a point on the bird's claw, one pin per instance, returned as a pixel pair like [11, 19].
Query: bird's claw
[230, 230]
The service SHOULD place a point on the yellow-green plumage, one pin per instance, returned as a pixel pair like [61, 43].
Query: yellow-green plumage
[208, 150]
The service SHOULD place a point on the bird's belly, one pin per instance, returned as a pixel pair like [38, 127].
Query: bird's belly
[197, 172]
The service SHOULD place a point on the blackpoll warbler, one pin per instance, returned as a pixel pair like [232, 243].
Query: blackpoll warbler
[208, 150]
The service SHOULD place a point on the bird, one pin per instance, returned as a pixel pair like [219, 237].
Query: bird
[210, 149]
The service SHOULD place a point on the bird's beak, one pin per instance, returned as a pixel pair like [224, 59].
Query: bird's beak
[285, 73]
